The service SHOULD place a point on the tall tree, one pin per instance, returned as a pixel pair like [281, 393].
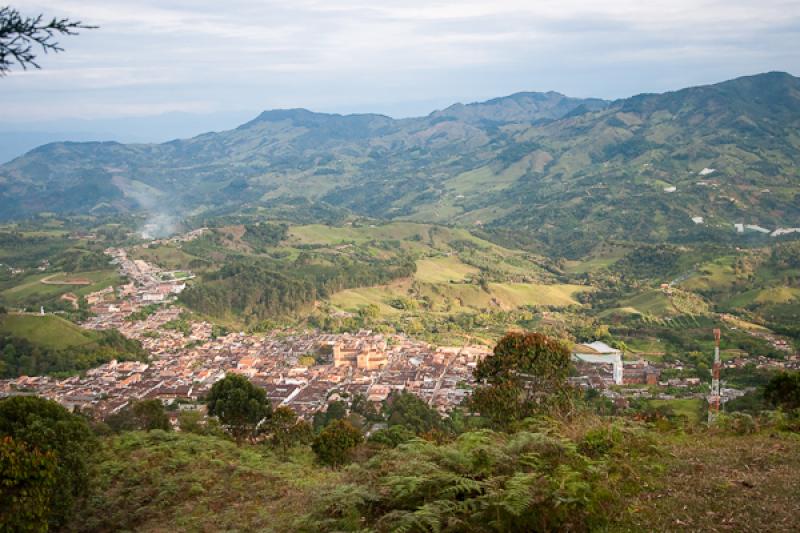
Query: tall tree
[526, 375]
[239, 405]
[26, 492]
[144, 415]
[783, 390]
[21, 35]
[46, 426]
[409, 410]
[285, 430]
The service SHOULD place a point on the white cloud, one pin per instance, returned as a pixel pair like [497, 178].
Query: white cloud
[344, 52]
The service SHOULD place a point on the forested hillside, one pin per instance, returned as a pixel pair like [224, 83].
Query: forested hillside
[558, 170]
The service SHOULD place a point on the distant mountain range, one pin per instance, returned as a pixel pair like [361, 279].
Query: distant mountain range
[559, 169]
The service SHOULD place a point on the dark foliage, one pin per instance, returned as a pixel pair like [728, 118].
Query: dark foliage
[19, 356]
[144, 415]
[335, 444]
[784, 390]
[26, 491]
[526, 375]
[45, 426]
[239, 405]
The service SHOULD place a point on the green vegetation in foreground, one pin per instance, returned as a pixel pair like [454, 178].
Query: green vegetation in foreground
[175, 481]
[524, 465]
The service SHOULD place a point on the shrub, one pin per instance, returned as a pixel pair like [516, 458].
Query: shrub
[46, 426]
[334, 445]
[26, 492]
[737, 423]
[487, 481]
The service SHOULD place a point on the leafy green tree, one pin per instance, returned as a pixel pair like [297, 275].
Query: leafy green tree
[526, 375]
[144, 415]
[783, 390]
[46, 426]
[239, 405]
[334, 445]
[336, 410]
[285, 430]
[19, 35]
[26, 491]
[409, 410]
[392, 436]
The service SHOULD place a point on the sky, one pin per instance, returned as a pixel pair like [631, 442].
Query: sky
[224, 60]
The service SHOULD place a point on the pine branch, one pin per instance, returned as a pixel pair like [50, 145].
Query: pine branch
[20, 36]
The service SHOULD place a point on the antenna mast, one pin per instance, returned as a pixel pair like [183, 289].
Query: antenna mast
[714, 398]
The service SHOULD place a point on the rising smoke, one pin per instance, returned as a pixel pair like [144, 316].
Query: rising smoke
[162, 219]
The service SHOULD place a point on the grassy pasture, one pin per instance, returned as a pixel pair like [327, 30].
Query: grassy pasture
[49, 331]
[31, 287]
[443, 270]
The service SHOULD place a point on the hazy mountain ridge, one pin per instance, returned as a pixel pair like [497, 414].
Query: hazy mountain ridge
[559, 167]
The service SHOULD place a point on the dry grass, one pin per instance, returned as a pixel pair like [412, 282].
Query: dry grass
[724, 483]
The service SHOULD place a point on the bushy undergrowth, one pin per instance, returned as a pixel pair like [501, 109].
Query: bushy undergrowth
[536, 479]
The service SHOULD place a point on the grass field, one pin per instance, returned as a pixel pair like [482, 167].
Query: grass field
[32, 288]
[602, 258]
[462, 297]
[652, 302]
[775, 295]
[49, 331]
[688, 407]
[443, 270]
[331, 235]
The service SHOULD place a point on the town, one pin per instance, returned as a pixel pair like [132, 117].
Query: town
[304, 369]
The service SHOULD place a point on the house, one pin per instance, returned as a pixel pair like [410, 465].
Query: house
[600, 353]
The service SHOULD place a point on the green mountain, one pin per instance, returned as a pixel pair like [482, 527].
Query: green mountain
[557, 169]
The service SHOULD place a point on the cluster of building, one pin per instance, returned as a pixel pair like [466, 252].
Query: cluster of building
[301, 369]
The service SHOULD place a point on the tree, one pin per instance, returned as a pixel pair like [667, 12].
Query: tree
[336, 442]
[783, 390]
[526, 375]
[144, 415]
[392, 437]
[409, 410]
[239, 405]
[19, 35]
[28, 479]
[46, 426]
[285, 430]
[195, 422]
[336, 410]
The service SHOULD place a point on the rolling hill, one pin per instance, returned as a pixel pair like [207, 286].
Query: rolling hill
[557, 169]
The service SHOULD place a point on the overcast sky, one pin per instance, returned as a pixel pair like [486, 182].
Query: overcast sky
[402, 58]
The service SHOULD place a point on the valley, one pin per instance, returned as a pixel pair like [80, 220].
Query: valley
[536, 312]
